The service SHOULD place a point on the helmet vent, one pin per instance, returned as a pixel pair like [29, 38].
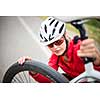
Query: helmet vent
[41, 35]
[53, 31]
[50, 38]
[61, 28]
[49, 19]
[45, 39]
[56, 23]
[52, 21]
[45, 27]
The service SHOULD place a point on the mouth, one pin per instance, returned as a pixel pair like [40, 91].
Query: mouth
[57, 50]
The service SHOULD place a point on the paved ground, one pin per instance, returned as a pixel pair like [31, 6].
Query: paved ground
[19, 37]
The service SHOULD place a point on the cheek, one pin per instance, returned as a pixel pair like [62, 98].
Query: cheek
[50, 49]
[63, 46]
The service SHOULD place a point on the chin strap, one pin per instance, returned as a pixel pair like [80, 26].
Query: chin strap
[66, 45]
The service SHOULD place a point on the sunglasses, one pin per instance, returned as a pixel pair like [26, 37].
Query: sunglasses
[57, 43]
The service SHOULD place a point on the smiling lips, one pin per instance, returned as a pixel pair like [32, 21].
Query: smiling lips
[57, 50]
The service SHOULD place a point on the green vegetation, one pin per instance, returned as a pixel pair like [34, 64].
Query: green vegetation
[93, 27]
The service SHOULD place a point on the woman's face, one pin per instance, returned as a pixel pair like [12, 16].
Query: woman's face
[58, 47]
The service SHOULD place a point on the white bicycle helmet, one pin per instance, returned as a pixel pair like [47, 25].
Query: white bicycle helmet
[51, 30]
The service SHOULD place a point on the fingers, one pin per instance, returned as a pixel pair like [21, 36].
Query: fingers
[87, 49]
[87, 41]
[86, 54]
[87, 44]
[90, 46]
[21, 60]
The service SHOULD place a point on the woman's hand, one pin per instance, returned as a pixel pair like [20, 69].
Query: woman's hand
[89, 49]
[21, 60]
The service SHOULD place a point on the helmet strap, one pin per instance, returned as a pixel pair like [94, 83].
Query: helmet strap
[66, 45]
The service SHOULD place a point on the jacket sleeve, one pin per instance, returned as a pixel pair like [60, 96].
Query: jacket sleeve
[42, 79]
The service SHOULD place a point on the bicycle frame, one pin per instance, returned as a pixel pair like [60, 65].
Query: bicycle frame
[90, 72]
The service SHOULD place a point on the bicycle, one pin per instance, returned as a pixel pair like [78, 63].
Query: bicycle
[16, 73]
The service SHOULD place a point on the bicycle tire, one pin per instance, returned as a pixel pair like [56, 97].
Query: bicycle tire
[34, 66]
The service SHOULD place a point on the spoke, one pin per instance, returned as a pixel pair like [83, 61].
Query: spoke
[25, 77]
[20, 76]
[29, 79]
[17, 80]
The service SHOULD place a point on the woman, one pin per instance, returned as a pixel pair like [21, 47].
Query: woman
[66, 54]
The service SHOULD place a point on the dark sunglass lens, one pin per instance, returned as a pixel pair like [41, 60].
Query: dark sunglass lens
[59, 42]
[50, 45]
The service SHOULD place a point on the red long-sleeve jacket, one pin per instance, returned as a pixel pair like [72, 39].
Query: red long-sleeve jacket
[73, 66]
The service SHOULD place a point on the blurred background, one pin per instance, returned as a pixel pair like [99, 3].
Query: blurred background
[19, 37]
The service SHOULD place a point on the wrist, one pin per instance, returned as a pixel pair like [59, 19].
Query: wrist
[97, 61]
[97, 58]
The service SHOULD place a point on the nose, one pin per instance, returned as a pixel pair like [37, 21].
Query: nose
[55, 46]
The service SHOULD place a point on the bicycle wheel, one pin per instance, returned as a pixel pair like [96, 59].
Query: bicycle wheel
[21, 70]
